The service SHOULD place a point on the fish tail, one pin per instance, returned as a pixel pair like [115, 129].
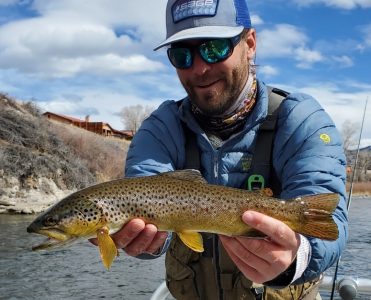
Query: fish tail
[317, 217]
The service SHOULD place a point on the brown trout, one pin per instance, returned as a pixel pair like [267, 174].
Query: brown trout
[181, 202]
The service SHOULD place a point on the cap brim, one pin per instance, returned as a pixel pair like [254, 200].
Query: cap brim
[204, 32]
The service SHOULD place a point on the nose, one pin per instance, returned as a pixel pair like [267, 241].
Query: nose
[199, 66]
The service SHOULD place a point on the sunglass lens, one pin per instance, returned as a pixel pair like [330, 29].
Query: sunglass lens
[181, 58]
[216, 50]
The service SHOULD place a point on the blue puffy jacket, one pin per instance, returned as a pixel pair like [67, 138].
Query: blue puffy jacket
[307, 156]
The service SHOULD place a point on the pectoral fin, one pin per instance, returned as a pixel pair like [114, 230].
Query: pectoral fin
[192, 240]
[107, 247]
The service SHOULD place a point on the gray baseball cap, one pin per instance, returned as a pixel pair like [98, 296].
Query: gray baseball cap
[204, 19]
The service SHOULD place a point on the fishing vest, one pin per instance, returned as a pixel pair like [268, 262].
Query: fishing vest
[212, 275]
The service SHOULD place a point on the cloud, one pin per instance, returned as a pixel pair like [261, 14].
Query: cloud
[8, 2]
[256, 20]
[63, 42]
[100, 97]
[343, 61]
[66, 107]
[367, 35]
[306, 58]
[102, 105]
[267, 71]
[145, 18]
[287, 41]
[343, 4]
[280, 41]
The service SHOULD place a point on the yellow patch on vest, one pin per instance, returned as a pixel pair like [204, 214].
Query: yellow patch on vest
[325, 138]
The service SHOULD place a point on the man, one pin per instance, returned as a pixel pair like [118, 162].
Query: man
[212, 46]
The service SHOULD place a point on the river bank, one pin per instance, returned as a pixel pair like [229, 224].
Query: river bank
[31, 196]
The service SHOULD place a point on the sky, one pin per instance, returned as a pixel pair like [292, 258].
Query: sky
[94, 57]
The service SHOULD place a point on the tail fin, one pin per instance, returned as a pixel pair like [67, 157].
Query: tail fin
[317, 217]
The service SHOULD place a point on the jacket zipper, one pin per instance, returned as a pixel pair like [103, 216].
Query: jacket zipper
[216, 168]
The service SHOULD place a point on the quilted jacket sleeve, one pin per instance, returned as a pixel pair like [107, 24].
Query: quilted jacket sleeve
[309, 159]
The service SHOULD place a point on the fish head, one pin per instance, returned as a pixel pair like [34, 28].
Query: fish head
[67, 221]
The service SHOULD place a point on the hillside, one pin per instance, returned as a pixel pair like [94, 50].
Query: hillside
[43, 161]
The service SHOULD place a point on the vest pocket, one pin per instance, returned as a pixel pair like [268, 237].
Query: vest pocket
[180, 278]
[305, 291]
[180, 281]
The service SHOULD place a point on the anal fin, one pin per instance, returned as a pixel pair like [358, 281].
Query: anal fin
[192, 239]
[107, 247]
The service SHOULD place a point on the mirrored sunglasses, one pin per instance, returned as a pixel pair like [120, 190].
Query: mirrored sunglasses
[211, 51]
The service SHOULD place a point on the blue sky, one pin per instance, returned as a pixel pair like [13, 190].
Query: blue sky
[93, 57]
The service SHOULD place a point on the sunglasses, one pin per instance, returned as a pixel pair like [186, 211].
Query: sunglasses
[211, 51]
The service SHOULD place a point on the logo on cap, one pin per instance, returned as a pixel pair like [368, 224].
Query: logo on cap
[183, 9]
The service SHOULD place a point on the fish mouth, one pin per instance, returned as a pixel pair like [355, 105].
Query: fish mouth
[51, 243]
[55, 239]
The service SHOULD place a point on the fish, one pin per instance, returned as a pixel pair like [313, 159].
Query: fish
[178, 201]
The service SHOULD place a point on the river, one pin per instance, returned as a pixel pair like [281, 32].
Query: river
[77, 273]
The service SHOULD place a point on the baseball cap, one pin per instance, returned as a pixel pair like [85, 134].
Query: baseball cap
[201, 19]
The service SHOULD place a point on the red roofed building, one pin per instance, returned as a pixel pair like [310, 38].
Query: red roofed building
[97, 127]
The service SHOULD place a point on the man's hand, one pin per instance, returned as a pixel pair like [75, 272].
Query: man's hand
[262, 260]
[137, 237]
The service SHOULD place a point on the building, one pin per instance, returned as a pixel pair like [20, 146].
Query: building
[101, 128]
[363, 163]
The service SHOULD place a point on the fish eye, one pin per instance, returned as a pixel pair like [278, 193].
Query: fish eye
[50, 221]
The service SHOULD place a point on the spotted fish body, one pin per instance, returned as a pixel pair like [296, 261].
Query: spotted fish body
[181, 202]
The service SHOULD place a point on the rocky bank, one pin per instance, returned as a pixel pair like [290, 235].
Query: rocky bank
[41, 161]
[36, 195]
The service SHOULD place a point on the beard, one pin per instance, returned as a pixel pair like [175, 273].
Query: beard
[217, 100]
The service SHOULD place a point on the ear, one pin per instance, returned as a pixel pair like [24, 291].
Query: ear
[250, 39]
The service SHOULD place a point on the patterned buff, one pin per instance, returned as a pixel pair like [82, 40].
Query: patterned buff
[224, 126]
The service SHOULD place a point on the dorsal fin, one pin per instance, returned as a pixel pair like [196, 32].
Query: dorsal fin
[188, 174]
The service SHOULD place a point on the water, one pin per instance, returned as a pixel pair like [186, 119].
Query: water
[71, 273]
[356, 259]
[77, 272]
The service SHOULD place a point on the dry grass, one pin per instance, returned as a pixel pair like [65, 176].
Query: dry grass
[104, 156]
[361, 188]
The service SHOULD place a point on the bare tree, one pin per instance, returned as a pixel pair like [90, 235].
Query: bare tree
[349, 131]
[133, 116]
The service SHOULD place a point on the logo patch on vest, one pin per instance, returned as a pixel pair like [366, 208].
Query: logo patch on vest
[246, 162]
[183, 9]
[325, 138]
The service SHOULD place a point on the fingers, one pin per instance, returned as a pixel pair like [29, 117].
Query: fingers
[243, 249]
[275, 230]
[129, 232]
[157, 242]
[137, 237]
[252, 264]
[261, 260]
[250, 272]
